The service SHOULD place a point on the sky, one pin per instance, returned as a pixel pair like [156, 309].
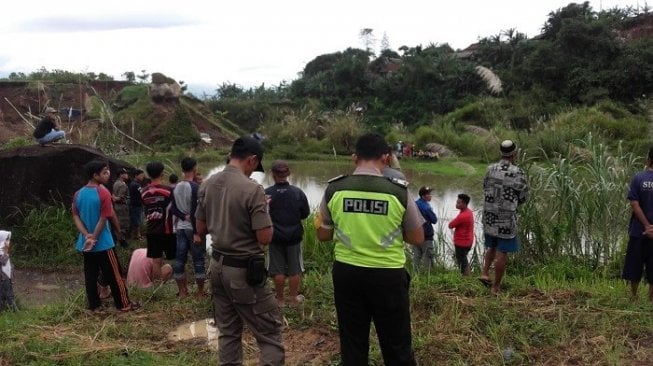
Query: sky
[207, 43]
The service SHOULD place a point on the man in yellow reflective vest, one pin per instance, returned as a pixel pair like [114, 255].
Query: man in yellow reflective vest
[368, 217]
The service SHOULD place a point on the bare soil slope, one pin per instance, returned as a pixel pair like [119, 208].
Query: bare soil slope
[22, 104]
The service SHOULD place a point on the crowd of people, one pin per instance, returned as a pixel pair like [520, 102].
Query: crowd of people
[408, 150]
[369, 215]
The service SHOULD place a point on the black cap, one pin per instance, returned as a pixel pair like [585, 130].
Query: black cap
[122, 171]
[246, 146]
[508, 147]
[425, 190]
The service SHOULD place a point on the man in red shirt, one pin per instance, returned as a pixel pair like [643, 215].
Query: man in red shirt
[463, 235]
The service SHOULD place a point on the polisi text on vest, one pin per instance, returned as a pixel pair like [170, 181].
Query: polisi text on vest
[362, 205]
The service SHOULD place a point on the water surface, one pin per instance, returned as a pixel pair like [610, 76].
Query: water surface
[313, 176]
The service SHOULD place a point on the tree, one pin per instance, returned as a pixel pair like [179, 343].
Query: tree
[17, 76]
[104, 77]
[366, 35]
[337, 79]
[144, 76]
[229, 91]
[129, 76]
[385, 42]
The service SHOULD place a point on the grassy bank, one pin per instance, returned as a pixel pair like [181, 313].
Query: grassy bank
[550, 313]
[563, 302]
[543, 318]
[553, 312]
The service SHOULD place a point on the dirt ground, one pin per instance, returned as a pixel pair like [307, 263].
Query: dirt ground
[35, 289]
[304, 345]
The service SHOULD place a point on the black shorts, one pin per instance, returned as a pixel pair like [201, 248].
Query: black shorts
[639, 254]
[159, 244]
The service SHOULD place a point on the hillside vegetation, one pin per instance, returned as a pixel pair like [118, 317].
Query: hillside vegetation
[587, 71]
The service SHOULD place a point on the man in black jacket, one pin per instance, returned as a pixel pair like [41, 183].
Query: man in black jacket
[288, 207]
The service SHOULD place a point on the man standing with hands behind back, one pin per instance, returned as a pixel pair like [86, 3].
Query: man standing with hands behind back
[369, 216]
[288, 207]
[232, 208]
[639, 253]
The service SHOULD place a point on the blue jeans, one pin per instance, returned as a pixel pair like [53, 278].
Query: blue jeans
[184, 244]
[51, 136]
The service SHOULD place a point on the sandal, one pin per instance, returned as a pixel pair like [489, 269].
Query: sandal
[133, 306]
[486, 282]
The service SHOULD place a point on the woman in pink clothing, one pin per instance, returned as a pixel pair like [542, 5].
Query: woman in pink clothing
[140, 270]
[463, 235]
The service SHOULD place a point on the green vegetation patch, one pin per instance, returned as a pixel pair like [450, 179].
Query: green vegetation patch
[179, 130]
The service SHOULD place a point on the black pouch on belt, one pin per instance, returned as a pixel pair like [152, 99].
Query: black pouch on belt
[257, 274]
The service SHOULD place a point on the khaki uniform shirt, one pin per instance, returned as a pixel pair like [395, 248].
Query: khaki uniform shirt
[120, 190]
[233, 207]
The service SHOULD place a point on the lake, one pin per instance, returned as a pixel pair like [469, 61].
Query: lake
[312, 178]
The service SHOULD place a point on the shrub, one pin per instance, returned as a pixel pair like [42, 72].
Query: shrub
[45, 237]
[96, 108]
[424, 135]
[606, 122]
[180, 130]
[129, 95]
[461, 142]
[343, 131]
[16, 142]
[485, 113]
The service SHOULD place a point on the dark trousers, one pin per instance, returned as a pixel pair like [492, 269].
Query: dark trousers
[7, 298]
[363, 295]
[103, 280]
[461, 258]
[106, 262]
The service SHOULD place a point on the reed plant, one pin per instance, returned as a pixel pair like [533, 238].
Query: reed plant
[577, 206]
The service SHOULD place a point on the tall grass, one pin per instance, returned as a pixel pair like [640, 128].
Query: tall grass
[318, 256]
[44, 238]
[577, 206]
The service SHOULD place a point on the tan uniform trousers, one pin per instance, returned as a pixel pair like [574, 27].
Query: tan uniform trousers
[237, 303]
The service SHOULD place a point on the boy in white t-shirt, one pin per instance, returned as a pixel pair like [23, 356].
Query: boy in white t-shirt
[7, 299]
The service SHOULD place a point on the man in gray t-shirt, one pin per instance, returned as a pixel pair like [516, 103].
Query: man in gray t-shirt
[184, 204]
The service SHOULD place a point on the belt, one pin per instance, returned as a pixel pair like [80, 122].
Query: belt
[229, 261]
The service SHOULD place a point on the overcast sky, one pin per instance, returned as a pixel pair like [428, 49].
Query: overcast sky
[206, 43]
